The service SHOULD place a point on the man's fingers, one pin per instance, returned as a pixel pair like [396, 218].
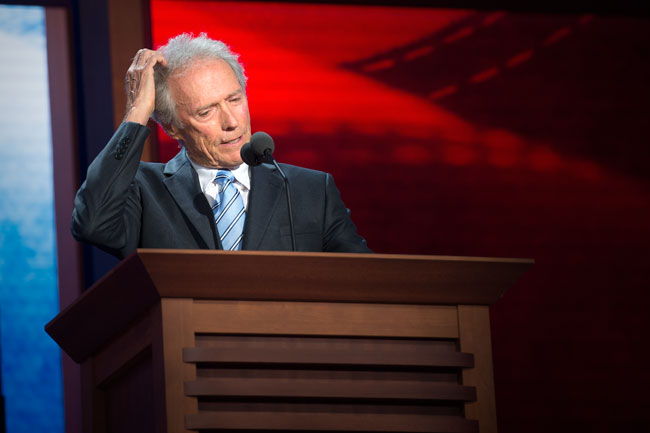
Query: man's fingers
[136, 59]
[154, 58]
[142, 67]
[140, 57]
[140, 87]
[144, 57]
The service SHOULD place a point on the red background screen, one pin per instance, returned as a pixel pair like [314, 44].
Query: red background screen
[478, 133]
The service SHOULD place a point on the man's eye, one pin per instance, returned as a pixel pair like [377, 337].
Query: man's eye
[204, 113]
[235, 99]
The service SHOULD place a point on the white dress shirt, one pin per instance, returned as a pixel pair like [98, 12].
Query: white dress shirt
[210, 188]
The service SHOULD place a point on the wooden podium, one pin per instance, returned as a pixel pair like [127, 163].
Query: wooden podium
[179, 341]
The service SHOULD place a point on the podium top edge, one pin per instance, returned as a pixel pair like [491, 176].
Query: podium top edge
[333, 255]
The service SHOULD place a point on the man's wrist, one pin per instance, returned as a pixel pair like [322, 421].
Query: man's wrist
[137, 116]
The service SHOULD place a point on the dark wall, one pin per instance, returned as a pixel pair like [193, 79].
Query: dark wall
[92, 66]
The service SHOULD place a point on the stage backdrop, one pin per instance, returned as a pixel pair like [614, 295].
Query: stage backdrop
[30, 374]
[481, 133]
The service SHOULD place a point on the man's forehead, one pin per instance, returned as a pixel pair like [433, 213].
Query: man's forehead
[209, 75]
[201, 64]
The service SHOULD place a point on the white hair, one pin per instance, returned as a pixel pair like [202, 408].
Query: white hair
[181, 52]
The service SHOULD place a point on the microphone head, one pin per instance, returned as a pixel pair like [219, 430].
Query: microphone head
[258, 150]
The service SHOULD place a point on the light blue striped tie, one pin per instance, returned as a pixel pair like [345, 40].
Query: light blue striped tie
[229, 212]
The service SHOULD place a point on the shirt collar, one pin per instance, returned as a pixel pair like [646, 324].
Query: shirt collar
[207, 175]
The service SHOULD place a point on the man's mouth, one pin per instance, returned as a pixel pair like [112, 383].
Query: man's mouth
[233, 141]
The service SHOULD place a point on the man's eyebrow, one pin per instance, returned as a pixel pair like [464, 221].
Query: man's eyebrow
[235, 93]
[203, 107]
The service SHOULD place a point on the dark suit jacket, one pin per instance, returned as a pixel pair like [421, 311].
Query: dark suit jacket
[126, 204]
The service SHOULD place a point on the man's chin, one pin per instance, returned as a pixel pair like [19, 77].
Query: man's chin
[231, 160]
[231, 165]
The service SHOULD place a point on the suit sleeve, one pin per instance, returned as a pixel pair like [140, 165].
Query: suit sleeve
[340, 233]
[107, 208]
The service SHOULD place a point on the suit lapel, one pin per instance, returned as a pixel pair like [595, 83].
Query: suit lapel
[266, 186]
[182, 183]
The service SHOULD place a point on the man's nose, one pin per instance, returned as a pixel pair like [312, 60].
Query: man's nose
[228, 119]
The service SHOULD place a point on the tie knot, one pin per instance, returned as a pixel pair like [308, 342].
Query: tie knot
[223, 177]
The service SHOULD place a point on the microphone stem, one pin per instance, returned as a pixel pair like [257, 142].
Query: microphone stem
[288, 191]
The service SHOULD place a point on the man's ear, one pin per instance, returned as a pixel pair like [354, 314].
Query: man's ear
[173, 132]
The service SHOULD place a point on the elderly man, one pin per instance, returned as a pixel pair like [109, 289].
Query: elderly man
[206, 196]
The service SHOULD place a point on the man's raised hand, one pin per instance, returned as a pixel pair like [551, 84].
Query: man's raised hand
[140, 86]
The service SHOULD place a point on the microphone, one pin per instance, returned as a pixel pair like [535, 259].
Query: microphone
[260, 150]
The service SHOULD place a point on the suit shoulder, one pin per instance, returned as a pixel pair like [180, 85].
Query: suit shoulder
[294, 171]
[151, 168]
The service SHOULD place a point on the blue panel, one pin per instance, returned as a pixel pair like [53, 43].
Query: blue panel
[31, 365]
